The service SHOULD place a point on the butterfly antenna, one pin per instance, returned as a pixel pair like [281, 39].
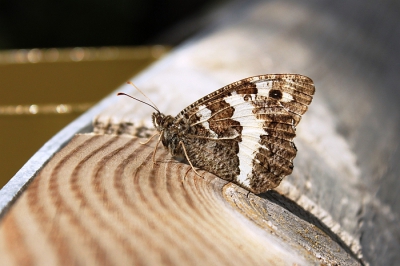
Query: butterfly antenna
[155, 108]
[154, 105]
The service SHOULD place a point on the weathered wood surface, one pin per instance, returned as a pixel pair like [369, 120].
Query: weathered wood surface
[326, 178]
[344, 184]
[101, 201]
[346, 160]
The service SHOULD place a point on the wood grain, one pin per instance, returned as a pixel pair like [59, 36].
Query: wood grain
[102, 201]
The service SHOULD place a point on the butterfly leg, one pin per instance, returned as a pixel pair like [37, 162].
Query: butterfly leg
[187, 157]
[148, 140]
[155, 149]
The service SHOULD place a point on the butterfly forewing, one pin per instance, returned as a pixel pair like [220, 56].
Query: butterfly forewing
[243, 132]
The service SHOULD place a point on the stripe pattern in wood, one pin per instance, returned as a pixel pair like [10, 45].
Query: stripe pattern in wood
[101, 201]
[98, 203]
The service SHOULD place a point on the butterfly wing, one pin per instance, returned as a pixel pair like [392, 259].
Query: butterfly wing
[244, 131]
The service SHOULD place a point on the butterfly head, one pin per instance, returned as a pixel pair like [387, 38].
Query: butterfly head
[161, 121]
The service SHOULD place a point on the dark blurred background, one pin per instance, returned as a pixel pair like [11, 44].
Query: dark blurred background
[47, 23]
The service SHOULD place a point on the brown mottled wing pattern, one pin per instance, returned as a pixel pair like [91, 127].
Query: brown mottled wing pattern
[244, 131]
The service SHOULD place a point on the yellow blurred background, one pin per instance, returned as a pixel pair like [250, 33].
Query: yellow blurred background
[42, 90]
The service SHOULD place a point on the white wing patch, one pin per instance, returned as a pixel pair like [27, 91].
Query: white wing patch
[286, 97]
[252, 130]
[264, 88]
[205, 114]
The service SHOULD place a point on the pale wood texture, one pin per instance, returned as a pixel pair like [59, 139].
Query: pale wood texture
[326, 178]
[101, 201]
[346, 171]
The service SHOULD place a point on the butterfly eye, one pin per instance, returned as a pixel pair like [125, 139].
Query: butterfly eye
[159, 120]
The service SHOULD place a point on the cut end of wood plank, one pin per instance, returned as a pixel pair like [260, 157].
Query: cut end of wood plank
[102, 201]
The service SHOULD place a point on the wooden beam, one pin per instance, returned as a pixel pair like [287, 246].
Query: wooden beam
[102, 201]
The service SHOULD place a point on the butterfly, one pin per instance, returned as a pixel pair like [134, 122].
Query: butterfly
[243, 132]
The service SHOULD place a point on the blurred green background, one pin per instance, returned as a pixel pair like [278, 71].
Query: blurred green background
[118, 40]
